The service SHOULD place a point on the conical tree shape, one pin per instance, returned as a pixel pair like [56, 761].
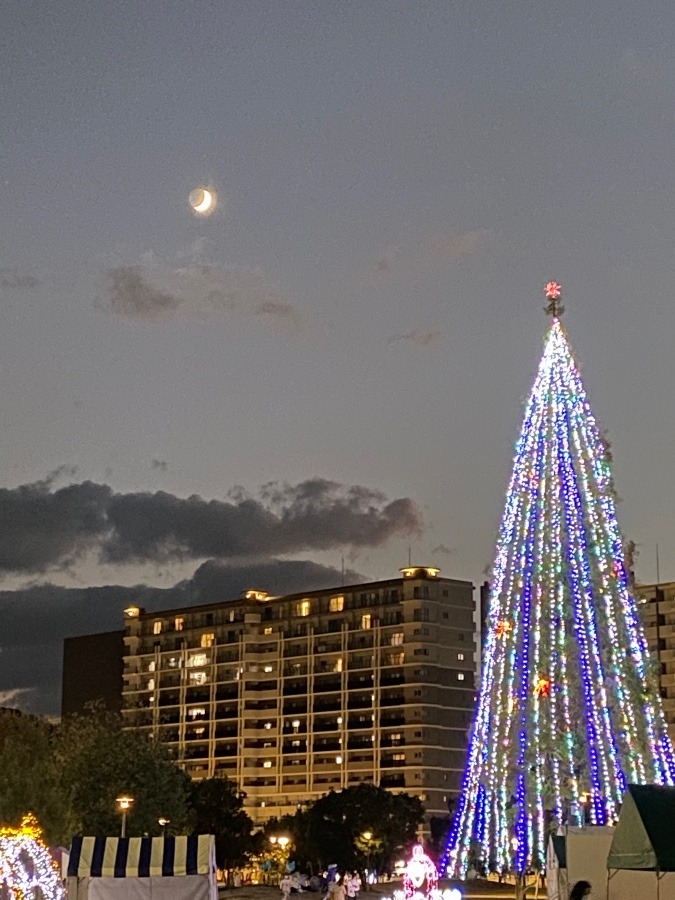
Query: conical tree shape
[568, 711]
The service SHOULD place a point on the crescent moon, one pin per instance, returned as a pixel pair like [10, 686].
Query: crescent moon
[202, 201]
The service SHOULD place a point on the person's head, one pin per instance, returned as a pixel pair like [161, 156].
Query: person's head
[580, 890]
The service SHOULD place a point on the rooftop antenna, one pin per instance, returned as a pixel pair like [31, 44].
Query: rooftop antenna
[658, 570]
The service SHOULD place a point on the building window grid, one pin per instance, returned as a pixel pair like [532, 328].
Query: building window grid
[386, 640]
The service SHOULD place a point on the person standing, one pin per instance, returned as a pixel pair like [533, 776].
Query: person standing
[580, 890]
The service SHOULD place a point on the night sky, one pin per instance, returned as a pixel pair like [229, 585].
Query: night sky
[333, 364]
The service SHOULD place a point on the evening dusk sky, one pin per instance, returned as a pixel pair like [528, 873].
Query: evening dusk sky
[333, 364]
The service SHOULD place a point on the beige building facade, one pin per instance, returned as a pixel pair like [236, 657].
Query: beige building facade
[291, 696]
[657, 606]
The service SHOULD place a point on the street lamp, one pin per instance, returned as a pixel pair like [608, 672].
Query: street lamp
[367, 837]
[124, 803]
[163, 822]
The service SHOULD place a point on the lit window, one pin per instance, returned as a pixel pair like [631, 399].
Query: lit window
[268, 725]
[208, 639]
[267, 630]
[151, 666]
[197, 659]
[366, 621]
[156, 627]
[267, 668]
[397, 639]
[296, 723]
[337, 604]
[198, 677]
[460, 676]
[399, 757]
[199, 730]
[267, 764]
[173, 662]
[303, 608]
[179, 623]
[295, 743]
[339, 720]
[196, 712]
[338, 665]
[460, 656]
[151, 684]
[338, 760]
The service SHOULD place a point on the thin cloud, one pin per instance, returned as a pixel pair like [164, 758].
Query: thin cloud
[131, 296]
[17, 278]
[428, 340]
[155, 291]
[408, 261]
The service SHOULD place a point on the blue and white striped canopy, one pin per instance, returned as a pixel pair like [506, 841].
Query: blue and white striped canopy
[141, 857]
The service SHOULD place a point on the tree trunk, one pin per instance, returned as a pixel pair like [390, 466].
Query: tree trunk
[521, 886]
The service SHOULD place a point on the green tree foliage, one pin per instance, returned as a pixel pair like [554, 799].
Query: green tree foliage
[30, 777]
[333, 828]
[70, 774]
[99, 761]
[217, 808]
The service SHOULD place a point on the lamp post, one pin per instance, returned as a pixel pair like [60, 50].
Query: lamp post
[124, 803]
[367, 837]
[164, 823]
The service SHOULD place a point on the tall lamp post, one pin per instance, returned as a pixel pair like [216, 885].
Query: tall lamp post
[164, 824]
[367, 837]
[124, 803]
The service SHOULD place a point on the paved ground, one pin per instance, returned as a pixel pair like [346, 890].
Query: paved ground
[474, 890]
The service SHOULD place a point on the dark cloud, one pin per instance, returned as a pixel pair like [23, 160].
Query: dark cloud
[17, 278]
[43, 527]
[159, 464]
[36, 620]
[131, 296]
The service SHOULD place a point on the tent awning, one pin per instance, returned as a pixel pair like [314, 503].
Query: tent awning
[644, 833]
[115, 857]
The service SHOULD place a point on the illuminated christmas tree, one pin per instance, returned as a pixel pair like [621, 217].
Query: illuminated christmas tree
[568, 712]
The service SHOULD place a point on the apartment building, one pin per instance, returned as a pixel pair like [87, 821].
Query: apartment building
[291, 696]
[657, 606]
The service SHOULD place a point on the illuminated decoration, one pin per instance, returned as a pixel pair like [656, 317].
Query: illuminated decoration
[552, 290]
[503, 628]
[420, 879]
[542, 686]
[26, 867]
[203, 201]
[568, 704]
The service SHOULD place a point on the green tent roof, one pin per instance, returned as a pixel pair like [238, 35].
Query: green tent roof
[645, 833]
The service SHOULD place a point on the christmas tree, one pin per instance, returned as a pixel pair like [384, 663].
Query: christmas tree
[568, 712]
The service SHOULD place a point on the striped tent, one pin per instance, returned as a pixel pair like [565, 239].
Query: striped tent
[171, 868]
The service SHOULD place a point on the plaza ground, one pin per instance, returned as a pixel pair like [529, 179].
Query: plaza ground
[476, 890]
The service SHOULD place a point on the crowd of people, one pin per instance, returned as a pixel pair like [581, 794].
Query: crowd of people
[331, 884]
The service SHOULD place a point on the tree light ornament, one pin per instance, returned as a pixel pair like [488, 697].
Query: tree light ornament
[26, 866]
[560, 580]
[503, 628]
[542, 686]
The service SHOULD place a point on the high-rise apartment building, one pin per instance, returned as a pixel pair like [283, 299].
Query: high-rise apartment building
[657, 605]
[291, 696]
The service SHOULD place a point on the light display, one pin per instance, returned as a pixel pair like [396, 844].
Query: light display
[568, 705]
[26, 866]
